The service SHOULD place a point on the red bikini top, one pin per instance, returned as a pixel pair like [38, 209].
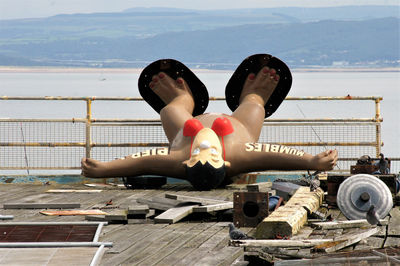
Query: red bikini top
[222, 126]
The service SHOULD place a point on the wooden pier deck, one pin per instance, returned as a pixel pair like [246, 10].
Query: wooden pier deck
[201, 240]
[198, 239]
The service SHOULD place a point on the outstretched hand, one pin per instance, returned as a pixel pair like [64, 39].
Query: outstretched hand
[325, 161]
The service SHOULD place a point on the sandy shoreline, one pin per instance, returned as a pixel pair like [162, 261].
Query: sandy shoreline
[11, 69]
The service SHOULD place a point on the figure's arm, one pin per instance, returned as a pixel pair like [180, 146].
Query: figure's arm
[260, 157]
[156, 161]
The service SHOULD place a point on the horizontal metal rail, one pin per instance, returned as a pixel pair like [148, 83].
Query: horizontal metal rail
[94, 98]
[91, 123]
[163, 144]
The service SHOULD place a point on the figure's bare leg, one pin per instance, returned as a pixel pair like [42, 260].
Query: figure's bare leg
[257, 89]
[179, 102]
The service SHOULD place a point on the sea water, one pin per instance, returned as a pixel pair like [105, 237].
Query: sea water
[124, 84]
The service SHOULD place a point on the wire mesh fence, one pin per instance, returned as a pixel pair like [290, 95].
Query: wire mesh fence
[61, 143]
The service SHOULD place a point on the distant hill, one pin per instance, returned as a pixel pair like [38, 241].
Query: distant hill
[341, 36]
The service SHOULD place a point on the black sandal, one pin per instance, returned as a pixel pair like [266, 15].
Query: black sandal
[174, 69]
[253, 64]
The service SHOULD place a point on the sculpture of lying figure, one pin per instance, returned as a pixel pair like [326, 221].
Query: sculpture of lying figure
[210, 149]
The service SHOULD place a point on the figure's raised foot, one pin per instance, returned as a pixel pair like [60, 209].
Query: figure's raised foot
[93, 168]
[260, 86]
[170, 91]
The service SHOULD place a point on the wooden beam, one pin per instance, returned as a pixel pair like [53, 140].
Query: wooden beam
[201, 200]
[160, 203]
[301, 243]
[283, 222]
[74, 190]
[310, 200]
[174, 215]
[117, 215]
[73, 212]
[343, 224]
[41, 205]
[391, 258]
[138, 209]
[345, 240]
[259, 187]
[288, 219]
[213, 207]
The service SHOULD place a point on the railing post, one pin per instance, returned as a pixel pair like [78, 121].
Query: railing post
[88, 127]
[378, 120]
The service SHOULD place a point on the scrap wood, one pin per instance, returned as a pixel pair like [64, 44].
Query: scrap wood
[100, 185]
[174, 215]
[310, 200]
[370, 260]
[213, 207]
[385, 256]
[159, 203]
[288, 219]
[117, 215]
[74, 190]
[344, 241]
[95, 218]
[343, 224]
[138, 209]
[285, 253]
[259, 187]
[41, 205]
[301, 243]
[201, 200]
[284, 221]
[73, 212]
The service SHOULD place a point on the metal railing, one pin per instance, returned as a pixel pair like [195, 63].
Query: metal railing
[61, 143]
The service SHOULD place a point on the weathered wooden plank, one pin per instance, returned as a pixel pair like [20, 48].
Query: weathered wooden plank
[174, 215]
[310, 200]
[122, 238]
[302, 243]
[159, 203]
[394, 225]
[213, 207]
[152, 251]
[74, 212]
[116, 215]
[370, 243]
[223, 257]
[201, 200]
[23, 205]
[303, 233]
[177, 249]
[285, 221]
[390, 258]
[74, 190]
[138, 209]
[259, 187]
[95, 218]
[343, 224]
[199, 247]
[288, 219]
[344, 241]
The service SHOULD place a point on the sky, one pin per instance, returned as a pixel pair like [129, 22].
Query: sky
[13, 9]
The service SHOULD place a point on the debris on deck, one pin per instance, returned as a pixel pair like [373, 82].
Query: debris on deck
[175, 225]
